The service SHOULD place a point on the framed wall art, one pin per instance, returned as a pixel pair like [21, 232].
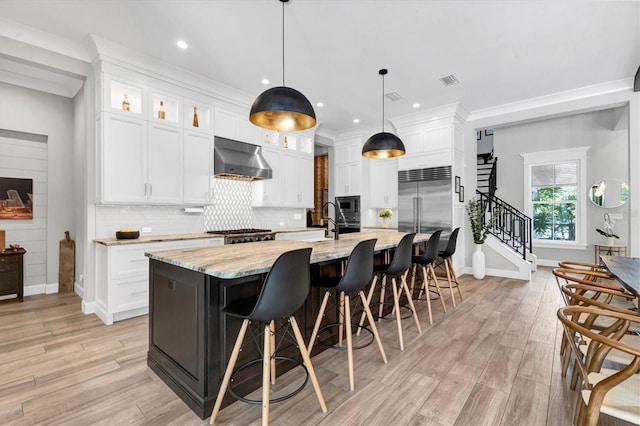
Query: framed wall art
[16, 199]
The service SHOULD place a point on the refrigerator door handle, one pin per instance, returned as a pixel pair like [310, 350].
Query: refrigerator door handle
[416, 213]
[418, 229]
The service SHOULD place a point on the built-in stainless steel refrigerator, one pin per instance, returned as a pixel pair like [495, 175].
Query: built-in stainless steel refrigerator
[425, 200]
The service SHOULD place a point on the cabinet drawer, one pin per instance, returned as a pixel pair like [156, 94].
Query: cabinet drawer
[9, 262]
[127, 261]
[9, 267]
[9, 280]
[129, 294]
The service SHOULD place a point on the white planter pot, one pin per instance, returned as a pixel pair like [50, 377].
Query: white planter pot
[478, 263]
[611, 241]
[385, 222]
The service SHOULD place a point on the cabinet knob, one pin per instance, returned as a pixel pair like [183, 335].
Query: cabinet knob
[171, 284]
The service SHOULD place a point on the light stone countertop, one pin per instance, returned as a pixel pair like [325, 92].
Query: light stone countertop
[176, 237]
[240, 260]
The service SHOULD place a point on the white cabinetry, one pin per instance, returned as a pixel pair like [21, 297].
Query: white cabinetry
[141, 162]
[122, 276]
[383, 183]
[236, 126]
[198, 167]
[348, 169]
[292, 167]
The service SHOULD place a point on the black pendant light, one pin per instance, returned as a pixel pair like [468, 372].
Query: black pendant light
[282, 108]
[383, 144]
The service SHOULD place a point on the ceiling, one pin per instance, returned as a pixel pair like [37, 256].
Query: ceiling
[501, 51]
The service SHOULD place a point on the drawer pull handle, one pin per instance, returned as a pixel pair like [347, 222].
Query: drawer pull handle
[133, 293]
[172, 285]
[139, 260]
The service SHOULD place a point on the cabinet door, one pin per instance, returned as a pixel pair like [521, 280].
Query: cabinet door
[342, 179]
[378, 184]
[164, 162]
[198, 168]
[124, 167]
[249, 132]
[355, 178]
[290, 177]
[226, 124]
[305, 182]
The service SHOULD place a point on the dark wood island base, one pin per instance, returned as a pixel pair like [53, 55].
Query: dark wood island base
[190, 339]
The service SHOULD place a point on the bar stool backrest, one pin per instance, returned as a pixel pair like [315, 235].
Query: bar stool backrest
[359, 269]
[451, 245]
[431, 251]
[402, 258]
[286, 287]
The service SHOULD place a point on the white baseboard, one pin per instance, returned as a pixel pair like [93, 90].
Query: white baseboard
[88, 307]
[77, 289]
[41, 289]
[502, 273]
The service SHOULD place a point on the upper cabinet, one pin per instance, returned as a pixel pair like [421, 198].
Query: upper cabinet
[236, 126]
[383, 182]
[155, 146]
[348, 169]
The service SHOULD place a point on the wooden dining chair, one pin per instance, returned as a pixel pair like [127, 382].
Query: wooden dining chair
[614, 392]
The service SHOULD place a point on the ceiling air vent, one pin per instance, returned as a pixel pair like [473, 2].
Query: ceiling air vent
[393, 96]
[449, 80]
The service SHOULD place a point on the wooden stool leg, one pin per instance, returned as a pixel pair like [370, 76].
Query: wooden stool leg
[369, 297]
[316, 327]
[446, 267]
[454, 276]
[413, 278]
[432, 271]
[410, 301]
[424, 278]
[396, 306]
[382, 290]
[374, 329]
[227, 374]
[341, 321]
[266, 374]
[272, 334]
[347, 319]
[307, 362]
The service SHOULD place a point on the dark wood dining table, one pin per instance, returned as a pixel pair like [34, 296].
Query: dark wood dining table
[626, 270]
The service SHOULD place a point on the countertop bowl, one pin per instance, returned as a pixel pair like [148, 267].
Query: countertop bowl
[127, 235]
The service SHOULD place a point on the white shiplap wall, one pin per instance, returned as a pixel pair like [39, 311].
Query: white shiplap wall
[28, 159]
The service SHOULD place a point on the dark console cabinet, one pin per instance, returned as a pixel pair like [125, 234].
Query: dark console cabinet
[11, 273]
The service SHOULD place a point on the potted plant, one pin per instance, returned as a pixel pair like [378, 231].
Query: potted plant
[608, 229]
[477, 211]
[385, 214]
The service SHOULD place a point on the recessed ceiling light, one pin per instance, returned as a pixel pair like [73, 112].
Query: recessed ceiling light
[356, 120]
[320, 104]
[264, 81]
[182, 44]
[416, 105]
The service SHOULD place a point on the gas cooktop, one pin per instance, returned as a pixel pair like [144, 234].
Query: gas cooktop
[241, 231]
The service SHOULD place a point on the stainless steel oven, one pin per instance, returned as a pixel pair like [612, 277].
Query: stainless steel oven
[349, 214]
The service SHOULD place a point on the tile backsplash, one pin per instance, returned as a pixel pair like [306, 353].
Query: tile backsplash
[231, 208]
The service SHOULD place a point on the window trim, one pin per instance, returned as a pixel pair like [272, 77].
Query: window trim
[578, 154]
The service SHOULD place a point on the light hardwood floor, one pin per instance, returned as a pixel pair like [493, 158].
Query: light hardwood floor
[491, 361]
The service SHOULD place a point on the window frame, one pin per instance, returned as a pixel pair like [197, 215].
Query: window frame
[541, 158]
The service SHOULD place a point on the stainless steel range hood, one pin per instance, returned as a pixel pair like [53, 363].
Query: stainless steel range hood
[239, 160]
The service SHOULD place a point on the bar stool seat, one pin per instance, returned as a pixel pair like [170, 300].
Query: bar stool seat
[426, 262]
[397, 271]
[356, 276]
[284, 291]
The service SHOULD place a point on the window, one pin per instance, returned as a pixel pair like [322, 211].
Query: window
[554, 190]
[555, 197]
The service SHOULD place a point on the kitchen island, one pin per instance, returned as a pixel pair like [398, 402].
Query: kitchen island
[190, 339]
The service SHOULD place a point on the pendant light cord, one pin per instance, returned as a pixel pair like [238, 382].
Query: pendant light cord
[283, 43]
[382, 103]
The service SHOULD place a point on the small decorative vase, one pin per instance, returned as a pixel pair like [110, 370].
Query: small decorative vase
[478, 263]
[610, 241]
[385, 222]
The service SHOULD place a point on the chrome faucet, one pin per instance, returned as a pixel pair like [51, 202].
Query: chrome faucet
[336, 234]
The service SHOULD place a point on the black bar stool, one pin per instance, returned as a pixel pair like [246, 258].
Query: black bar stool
[357, 274]
[284, 291]
[445, 256]
[426, 262]
[399, 267]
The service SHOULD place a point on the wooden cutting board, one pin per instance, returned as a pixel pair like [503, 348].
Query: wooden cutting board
[66, 269]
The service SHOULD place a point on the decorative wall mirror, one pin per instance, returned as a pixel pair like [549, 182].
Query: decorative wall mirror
[609, 193]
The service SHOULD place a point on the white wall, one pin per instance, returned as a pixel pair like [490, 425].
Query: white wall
[31, 111]
[606, 158]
